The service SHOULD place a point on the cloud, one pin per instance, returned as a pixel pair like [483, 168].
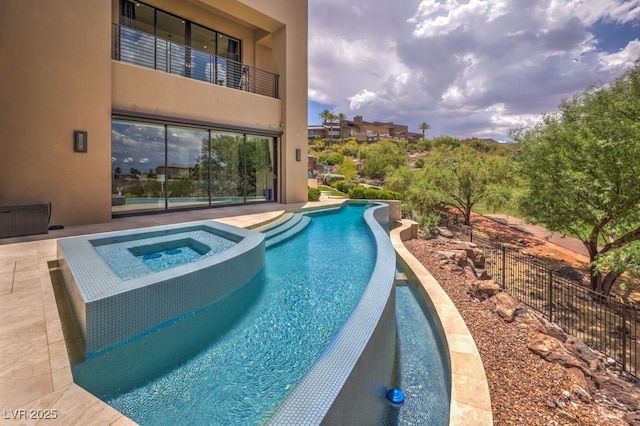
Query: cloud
[359, 99]
[468, 68]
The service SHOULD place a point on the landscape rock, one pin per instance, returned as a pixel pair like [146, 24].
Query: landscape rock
[483, 290]
[482, 274]
[530, 321]
[444, 232]
[476, 255]
[552, 350]
[584, 352]
[506, 306]
[582, 394]
[632, 418]
[458, 257]
[622, 392]
[579, 379]
[553, 330]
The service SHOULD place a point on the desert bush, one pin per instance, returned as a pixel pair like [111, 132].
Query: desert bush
[314, 194]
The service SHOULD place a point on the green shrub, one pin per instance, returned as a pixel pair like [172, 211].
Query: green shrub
[314, 194]
[344, 186]
[372, 194]
[385, 194]
[358, 193]
[328, 178]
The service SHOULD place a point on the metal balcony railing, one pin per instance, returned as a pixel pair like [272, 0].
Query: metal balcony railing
[140, 48]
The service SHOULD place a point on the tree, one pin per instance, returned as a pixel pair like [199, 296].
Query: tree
[341, 119]
[382, 158]
[582, 167]
[461, 175]
[445, 141]
[348, 169]
[328, 117]
[424, 126]
[351, 148]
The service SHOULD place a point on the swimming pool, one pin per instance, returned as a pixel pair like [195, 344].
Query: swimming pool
[116, 296]
[234, 362]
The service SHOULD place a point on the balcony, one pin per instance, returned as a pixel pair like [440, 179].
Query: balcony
[146, 50]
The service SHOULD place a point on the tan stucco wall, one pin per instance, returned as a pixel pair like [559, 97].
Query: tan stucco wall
[55, 77]
[139, 89]
[58, 76]
[292, 69]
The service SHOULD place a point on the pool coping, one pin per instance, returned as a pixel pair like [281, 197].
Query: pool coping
[470, 397]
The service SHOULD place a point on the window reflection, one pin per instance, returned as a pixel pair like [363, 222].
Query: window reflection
[226, 153]
[259, 168]
[202, 167]
[137, 155]
[186, 172]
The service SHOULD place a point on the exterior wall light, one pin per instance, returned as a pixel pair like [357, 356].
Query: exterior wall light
[79, 141]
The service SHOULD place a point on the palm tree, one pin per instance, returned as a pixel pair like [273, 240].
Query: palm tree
[341, 118]
[327, 116]
[424, 126]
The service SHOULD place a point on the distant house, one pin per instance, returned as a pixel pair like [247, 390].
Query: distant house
[362, 131]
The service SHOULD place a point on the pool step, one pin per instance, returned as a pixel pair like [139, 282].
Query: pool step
[274, 223]
[286, 230]
[283, 226]
[401, 279]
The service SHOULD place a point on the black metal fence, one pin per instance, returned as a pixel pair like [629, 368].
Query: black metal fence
[140, 48]
[603, 323]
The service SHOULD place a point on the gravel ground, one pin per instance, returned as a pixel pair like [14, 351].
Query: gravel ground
[525, 389]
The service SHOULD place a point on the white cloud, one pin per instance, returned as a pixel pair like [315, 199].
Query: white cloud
[468, 68]
[361, 98]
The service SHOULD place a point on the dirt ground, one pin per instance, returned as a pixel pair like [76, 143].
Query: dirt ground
[530, 244]
[554, 255]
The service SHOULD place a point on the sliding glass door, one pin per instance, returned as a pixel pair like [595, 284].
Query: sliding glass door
[186, 173]
[259, 170]
[162, 166]
[137, 165]
[225, 165]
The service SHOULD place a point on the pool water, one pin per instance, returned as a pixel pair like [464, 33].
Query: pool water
[161, 260]
[129, 259]
[235, 361]
[420, 374]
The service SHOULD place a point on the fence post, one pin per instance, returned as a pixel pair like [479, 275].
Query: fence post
[624, 338]
[550, 295]
[504, 267]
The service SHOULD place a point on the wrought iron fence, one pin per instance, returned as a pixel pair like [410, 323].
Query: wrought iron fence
[603, 323]
[140, 48]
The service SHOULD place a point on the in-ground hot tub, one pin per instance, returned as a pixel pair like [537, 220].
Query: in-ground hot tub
[122, 285]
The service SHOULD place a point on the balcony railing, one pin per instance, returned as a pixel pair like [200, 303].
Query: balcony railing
[140, 48]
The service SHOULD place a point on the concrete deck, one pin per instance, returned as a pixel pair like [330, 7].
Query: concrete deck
[36, 385]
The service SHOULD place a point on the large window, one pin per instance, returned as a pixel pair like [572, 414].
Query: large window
[137, 164]
[259, 167]
[162, 167]
[214, 57]
[186, 173]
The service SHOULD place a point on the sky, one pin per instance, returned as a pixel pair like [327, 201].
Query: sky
[469, 68]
